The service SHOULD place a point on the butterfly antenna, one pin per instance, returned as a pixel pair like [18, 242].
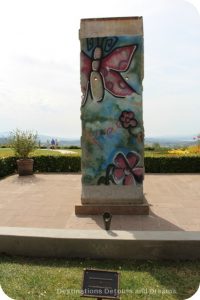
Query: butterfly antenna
[98, 42]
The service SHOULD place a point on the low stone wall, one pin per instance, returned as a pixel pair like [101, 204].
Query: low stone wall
[98, 244]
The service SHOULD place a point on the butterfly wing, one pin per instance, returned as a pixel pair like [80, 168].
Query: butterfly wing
[116, 85]
[120, 58]
[86, 68]
[117, 61]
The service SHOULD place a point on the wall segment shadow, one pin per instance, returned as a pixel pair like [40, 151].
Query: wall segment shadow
[151, 222]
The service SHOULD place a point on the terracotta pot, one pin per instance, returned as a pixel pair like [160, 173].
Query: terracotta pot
[25, 166]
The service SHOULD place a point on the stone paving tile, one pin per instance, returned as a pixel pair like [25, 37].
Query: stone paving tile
[47, 201]
[6, 220]
[36, 222]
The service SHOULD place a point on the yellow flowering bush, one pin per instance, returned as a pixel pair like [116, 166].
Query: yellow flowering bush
[179, 151]
[194, 149]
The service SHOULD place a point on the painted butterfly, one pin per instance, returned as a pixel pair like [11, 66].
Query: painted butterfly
[101, 73]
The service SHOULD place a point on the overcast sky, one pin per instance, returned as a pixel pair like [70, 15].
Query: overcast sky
[39, 63]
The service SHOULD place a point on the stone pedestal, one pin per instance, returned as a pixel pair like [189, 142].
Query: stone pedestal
[111, 112]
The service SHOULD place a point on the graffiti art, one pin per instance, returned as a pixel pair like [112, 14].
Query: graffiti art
[124, 170]
[103, 72]
[111, 111]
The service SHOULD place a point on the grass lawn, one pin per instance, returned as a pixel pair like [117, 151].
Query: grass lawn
[9, 152]
[53, 279]
[56, 152]
[4, 152]
[165, 153]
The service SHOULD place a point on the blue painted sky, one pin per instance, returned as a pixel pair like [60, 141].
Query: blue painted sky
[39, 63]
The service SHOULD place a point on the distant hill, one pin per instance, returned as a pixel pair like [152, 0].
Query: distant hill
[171, 141]
[44, 139]
[164, 141]
[3, 141]
[67, 142]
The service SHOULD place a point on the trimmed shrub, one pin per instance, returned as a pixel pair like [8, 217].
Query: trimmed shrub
[74, 147]
[43, 163]
[57, 163]
[72, 163]
[70, 147]
[149, 148]
[170, 164]
[7, 166]
[4, 146]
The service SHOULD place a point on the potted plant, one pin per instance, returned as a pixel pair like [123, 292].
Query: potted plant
[23, 142]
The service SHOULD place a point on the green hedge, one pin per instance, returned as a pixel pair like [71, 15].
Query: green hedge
[163, 164]
[7, 166]
[172, 164]
[65, 163]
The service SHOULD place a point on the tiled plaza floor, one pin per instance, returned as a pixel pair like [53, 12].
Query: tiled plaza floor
[48, 200]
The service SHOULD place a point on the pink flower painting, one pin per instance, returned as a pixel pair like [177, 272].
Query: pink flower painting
[127, 119]
[124, 170]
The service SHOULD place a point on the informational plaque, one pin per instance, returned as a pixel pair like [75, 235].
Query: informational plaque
[100, 284]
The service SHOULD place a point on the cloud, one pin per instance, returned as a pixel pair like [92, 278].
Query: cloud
[195, 4]
[51, 65]
[39, 61]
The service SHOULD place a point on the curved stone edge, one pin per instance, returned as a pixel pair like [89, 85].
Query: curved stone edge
[43, 242]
